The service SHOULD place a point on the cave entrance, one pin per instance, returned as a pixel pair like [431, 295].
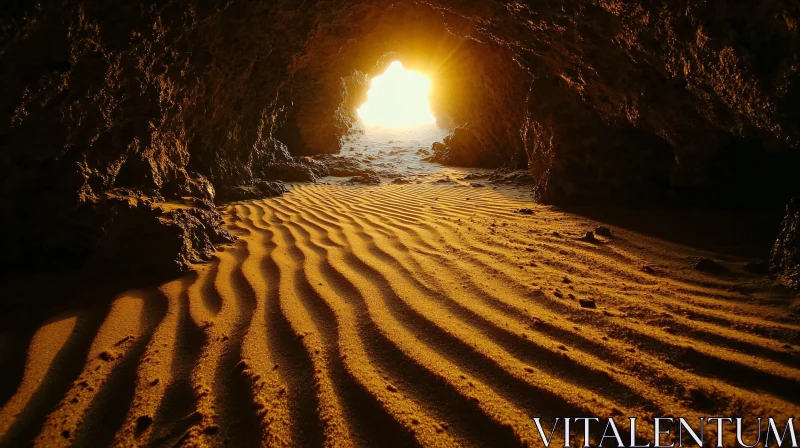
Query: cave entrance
[398, 99]
[395, 127]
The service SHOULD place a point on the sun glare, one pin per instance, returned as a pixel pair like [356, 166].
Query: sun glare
[398, 98]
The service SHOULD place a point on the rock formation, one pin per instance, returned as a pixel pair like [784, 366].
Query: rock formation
[168, 102]
[786, 251]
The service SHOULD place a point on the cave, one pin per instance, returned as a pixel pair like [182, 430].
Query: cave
[398, 98]
[561, 195]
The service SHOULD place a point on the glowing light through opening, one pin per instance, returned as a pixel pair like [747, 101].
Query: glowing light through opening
[398, 98]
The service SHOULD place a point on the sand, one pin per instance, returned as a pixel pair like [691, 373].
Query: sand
[431, 313]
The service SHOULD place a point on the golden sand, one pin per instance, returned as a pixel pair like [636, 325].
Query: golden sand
[401, 315]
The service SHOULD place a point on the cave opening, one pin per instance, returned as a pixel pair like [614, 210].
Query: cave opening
[405, 222]
[395, 126]
[398, 98]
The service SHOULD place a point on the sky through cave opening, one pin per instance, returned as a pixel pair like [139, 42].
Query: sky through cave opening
[396, 127]
[398, 98]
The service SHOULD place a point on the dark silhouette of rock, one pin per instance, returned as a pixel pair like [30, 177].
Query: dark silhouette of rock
[757, 267]
[587, 303]
[514, 177]
[142, 423]
[260, 189]
[465, 147]
[367, 178]
[289, 172]
[785, 259]
[709, 266]
[603, 231]
[162, 238]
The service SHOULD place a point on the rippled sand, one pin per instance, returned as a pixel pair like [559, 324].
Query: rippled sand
[397, 315]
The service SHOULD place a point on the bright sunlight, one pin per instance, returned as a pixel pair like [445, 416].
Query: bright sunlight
[398, 98]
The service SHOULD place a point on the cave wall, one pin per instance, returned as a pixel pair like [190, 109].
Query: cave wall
[703, 76]
[109, 108]
[112, 107]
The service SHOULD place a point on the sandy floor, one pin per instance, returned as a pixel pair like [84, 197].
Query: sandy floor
[423, 314]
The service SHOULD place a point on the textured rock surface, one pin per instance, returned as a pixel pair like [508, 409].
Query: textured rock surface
[336, 165]
[139, 233]
[603, 100]
[367, 178]
[464, 147]
[260, 189]
[786, 251]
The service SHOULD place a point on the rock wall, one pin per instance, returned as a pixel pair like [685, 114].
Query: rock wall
[706, 78]
[173, 101]
[785, 259]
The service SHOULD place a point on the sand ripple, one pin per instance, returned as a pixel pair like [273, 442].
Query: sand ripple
[405, 315]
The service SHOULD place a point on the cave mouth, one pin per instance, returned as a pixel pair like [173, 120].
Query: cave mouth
[398, 98]
[395, 126]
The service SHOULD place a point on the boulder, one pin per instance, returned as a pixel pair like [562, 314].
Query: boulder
[367, 178]
[135, 232]
[603, 231]
[341, 166]
[464, 147]
[317, 167]
[289, 172]
[259, 190]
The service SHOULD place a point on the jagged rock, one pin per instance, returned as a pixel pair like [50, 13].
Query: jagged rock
[475, 176]
[289, 172]
[515, 177]
[463, 147]
[447, 180]
[317, 167]
[194, 186]
[785, 258]
[162, 238]
[367, 178]
[439, 152]
[269, 151]
[341, 166]
[261, 189]
[270, 188]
